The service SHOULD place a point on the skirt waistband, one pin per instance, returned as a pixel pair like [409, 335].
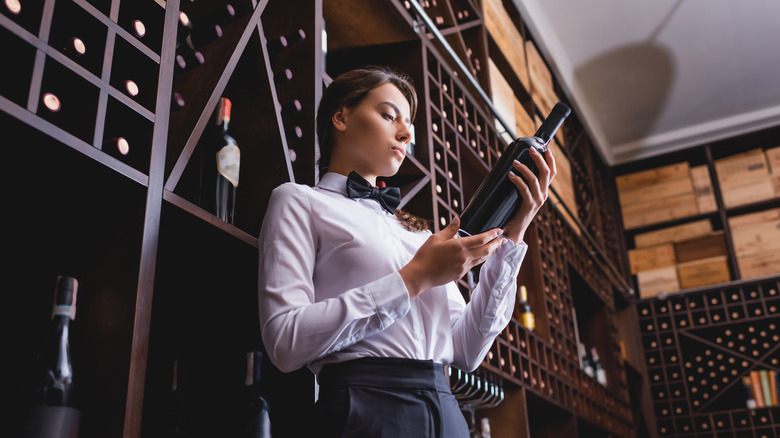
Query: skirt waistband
[383, 372]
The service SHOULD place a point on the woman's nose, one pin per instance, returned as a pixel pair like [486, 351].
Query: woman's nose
[404, 133]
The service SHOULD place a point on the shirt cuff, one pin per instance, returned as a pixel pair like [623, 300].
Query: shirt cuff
[390, 298]
[507, 259]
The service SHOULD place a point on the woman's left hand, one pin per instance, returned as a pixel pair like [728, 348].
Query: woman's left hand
[533, 194]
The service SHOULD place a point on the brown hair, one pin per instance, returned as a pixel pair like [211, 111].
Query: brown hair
[347, 91]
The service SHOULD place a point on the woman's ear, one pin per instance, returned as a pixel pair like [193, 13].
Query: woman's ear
[339, 119]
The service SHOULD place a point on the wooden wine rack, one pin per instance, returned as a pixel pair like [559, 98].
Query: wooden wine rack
[164, 281]
[699, 345]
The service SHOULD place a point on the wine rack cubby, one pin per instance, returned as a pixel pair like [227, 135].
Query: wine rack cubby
[699, 346]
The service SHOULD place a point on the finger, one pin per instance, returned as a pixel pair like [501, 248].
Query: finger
[479, 255]
[481, 239]
[522, 187]
[550, 158]
[450, 230]
[541, 164]
[530, 179]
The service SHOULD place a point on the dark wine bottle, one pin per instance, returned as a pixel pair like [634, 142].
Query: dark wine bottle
[258, 422]
[177, 101]
[74, 48]
[276, 45]
[187, 59]
[283, 75]
[54, 411]
[497, 199]
[228, 165]
[291, 107]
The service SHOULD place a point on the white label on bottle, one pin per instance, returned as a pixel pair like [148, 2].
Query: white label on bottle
[228, 162]
[601, 376]
[64, 310]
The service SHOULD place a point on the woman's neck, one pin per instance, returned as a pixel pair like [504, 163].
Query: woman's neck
[346, 169]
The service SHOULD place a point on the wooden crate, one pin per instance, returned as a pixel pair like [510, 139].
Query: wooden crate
[523, 122]
[564, 184]
[656, 281]
[656, 191]
[653, 257]
[674, 234]
[759, 264]
[773, 159]
[703, 272]
[702, 189]
[504, 32]
[747, 189]
[661, 210]
[542, 91]
[756, 238]
[738, 166]
[652, 176]
[502, 95]
[760, 217]
[710, 245]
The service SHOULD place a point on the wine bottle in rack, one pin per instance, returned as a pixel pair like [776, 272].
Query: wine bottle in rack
[585, 362]
[525, 315]
[74, 48]
[54, 409]
[13, 6]
[278, 44]
[283, 75]
[177, 101]
[187, 59]
[258, 422]
[228, 165]
[598, 369]
[294, 133]
[116, 145]
[497, 199]
[174, 416]
[291, 107]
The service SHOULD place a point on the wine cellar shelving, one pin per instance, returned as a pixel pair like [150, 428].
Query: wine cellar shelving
[121, 129]
[698, 348]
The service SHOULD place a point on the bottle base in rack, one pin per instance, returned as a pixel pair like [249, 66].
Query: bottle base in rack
[225, 200]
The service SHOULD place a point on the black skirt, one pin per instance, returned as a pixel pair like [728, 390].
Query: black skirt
[387, 397]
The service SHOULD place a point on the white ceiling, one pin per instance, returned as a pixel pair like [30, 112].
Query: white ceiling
[648, 77]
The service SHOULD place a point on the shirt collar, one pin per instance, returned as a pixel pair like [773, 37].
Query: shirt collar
[333, 182]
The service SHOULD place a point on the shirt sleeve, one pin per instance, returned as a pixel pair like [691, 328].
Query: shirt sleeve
[475, 325]
[296, 329]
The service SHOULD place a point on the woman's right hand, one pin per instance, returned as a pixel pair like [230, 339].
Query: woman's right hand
[444, 258]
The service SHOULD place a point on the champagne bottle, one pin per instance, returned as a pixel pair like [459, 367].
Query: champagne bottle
[585, 362]
[497, 199]
[601, 374]
[228, 165]
[258, 422]
[526, 317]
[54, 411]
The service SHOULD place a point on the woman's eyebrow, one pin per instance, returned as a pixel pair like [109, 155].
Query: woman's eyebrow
[397, 111]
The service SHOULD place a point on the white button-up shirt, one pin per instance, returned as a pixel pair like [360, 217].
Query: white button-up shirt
[330, 290]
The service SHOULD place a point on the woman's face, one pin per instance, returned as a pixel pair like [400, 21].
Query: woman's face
[371, 138]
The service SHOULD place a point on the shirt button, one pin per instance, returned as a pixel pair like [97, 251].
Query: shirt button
[420, 336]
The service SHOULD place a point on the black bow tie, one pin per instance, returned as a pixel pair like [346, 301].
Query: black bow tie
[358, 187]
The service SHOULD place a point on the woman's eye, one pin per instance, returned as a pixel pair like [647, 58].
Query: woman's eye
[388, 116]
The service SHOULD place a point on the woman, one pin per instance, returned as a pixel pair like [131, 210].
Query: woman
[365, 296]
